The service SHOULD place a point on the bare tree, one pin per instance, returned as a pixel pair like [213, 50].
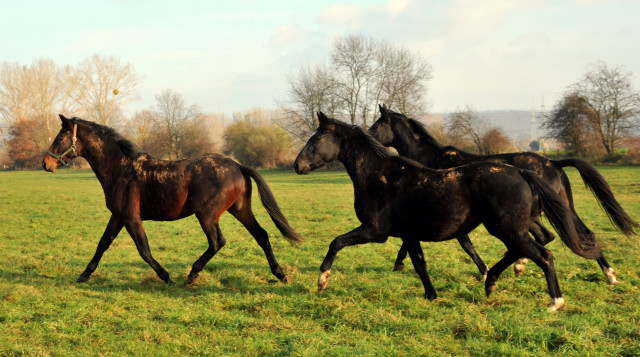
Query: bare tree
[29, 92]
[14, 96]
[467, 123]
[174, 117]
[355, 67]
[360, 74]
[609, 91]
[101, 86]
[311, 89]
[403, 78]
[47, 92]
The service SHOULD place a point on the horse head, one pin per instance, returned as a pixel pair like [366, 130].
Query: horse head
[65, 146]
[322, 147]
[381, 129]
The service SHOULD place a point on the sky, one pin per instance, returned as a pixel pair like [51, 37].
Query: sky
[229, 56]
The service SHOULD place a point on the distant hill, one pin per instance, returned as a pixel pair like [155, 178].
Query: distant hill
[515, 123]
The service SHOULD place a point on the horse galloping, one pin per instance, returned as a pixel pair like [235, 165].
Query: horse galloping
[396, 196]
[138, 187]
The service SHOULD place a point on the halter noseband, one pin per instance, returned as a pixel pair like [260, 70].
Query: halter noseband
[71, 149]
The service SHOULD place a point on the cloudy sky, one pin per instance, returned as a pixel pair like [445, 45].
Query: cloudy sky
[235, 55]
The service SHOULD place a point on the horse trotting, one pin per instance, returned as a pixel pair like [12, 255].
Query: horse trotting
[138, 187]
[412, 140]
[396, 196]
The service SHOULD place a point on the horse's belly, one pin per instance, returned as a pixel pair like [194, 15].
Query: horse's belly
[166, 207]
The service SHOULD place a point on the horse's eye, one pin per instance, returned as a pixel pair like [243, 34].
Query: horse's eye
[60, 138]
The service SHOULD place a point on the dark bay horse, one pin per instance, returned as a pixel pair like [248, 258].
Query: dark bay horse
[411, 139]
[138, 187]
[396, 196]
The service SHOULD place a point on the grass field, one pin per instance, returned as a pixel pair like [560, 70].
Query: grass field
[51, 224]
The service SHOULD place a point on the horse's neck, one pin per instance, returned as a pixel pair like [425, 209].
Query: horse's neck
[105, 160]
[416, 147]
[362, 162]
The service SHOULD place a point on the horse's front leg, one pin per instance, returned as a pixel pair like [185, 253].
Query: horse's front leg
[110, 233]
[137, 233]
[420, 265]
[359, 235]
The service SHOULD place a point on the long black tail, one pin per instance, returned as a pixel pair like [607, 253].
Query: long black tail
[600, 188]
[561, 217]
[270, 204]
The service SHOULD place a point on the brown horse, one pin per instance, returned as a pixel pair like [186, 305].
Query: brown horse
[138, 187]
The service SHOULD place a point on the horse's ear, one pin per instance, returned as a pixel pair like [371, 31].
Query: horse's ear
[325, 121]
[383, 107]
[66, 123]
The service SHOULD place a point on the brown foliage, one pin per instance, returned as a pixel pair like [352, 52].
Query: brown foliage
[28, 143]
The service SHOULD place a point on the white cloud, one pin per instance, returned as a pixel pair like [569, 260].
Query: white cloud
[340, 14]
[395, 7]
[288, 35]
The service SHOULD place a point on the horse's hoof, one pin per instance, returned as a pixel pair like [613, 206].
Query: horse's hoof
[323, 280]
[518, 267]
[192, 279]
[286, 279]
[82, 278]
[489, 289]
[398, 267]
[611, 276]
[556, 304]
[432, 296]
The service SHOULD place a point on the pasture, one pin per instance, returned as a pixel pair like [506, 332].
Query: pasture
[51, 224]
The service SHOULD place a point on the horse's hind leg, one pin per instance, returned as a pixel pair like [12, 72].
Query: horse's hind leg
[607, 270]
[466, 244]
[419, 264]
[544, 259]
[216, 242]
[402, 254]
[110, 233]
[246, 217]
[494, 273]
[541, 234]
[584, 231]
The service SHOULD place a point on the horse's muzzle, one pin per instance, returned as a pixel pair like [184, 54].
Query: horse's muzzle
[301, 169]
[49, 164]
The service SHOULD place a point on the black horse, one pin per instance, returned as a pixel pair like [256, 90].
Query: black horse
[138, 187]
[411, 139]
[396, 196]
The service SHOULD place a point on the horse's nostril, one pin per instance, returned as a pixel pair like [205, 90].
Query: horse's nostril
[295, 166]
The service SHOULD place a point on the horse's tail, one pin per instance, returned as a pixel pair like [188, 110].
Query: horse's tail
[270, 204]
[561, 217]
[600, 188]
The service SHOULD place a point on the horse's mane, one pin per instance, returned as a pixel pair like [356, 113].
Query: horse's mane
[128, 148]
[422, 132]
[383, 151]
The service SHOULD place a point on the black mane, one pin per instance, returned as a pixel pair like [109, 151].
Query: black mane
[382, 150]
[425, 137]
[128, 148]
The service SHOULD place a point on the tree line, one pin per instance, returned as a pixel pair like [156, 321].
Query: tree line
[594, 115]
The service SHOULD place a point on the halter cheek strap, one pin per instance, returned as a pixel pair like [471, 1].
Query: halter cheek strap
[71, 149]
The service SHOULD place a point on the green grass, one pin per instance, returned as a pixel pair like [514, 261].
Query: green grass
[51, 224]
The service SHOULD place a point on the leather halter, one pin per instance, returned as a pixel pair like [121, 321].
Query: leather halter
[71, 149]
